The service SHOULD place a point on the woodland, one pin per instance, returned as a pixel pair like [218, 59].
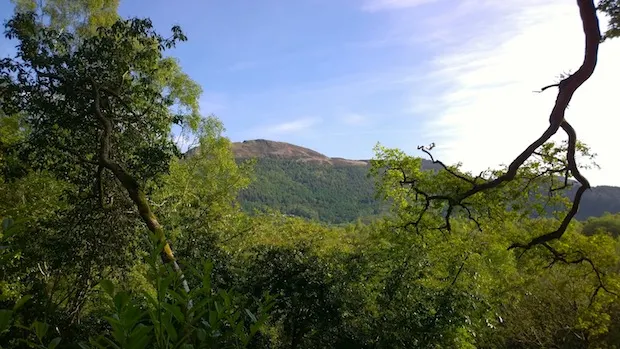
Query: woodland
[344, 193]
[111, 237]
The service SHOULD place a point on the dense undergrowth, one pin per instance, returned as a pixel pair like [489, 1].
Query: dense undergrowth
[112, 239]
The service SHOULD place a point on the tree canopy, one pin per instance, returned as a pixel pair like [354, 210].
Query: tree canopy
[95, 194]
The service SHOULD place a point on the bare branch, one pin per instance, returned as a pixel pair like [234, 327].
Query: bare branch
[566, 89]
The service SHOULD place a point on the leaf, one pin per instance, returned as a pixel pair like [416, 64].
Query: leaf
[139, 337]
[247, 311]
[201, 334]
[11, 227]
[174, 310]
[206, 276]
[179, 298]
[83, 345]
[171, 331]
[40, 329]
[107, 286]
[21, 302]
[120, 300]
[54, 343]
[5, 319]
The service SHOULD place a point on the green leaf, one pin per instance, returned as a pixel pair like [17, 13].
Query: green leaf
[120, 300]
[139, 338]
[108, 287]
[54, 343]
[170, 330]
[201, 334]
[5, 319]
[83, 345]
[174, 310]
[179, 298]
[40, 329]
[247, 311]
[206, 275]
[21, 302]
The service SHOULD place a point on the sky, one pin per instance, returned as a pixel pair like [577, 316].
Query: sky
[338, 76]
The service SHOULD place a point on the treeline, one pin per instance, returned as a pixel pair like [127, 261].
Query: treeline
[325, 192]
[112, 239]
[345, 193]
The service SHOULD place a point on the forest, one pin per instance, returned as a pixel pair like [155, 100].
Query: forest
[342, 193]
[111, 237]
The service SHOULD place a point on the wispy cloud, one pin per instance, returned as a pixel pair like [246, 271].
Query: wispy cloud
[484, 109]
[379, 5]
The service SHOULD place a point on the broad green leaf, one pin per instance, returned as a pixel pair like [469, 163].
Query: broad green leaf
[21, 302]
[40, 329]
[54, 343]
[6, 317]
[174, 310]
[108, 287]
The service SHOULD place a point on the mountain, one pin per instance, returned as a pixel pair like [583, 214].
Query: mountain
[262, 148]
[302, 182]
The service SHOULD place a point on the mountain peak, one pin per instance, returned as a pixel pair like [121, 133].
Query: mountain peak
[263, 148]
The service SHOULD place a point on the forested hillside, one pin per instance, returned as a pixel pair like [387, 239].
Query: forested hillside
[111, 238]
[305, 183]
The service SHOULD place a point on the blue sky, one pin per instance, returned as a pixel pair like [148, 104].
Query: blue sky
[319, 73]
[338, 76]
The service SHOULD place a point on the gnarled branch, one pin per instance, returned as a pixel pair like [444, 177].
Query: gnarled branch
[566, 89]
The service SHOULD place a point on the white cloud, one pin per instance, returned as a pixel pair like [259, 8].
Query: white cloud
[291, 126]
[379, 5]
[485, 112]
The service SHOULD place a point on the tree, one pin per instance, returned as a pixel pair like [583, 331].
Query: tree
[80, 17]
[101, 111]
[465, 189]
[612, 9]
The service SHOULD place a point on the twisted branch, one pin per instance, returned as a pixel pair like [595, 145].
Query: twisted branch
[566, 88]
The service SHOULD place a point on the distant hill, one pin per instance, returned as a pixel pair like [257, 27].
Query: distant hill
[262, 148]
[302, 182]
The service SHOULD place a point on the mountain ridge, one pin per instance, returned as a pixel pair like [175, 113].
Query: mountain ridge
[303, 182]
[261, 148]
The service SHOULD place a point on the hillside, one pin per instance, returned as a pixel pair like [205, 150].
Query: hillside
[261, 148]
[302, 182]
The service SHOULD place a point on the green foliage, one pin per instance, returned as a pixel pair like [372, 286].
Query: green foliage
[612, 9]
[197, 198]
[164, 317]
[161, 317]
[77, 271]
[344, 193]
[608, 223]
[144, 89]
[330, 193]
[306, 310]
[81, 17]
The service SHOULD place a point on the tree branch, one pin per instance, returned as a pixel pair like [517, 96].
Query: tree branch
[127, 181]
[566, 90]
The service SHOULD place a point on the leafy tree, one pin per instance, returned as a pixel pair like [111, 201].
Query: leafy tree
[81, 17]
[608, 223]
[465, 188]
[106, 107]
